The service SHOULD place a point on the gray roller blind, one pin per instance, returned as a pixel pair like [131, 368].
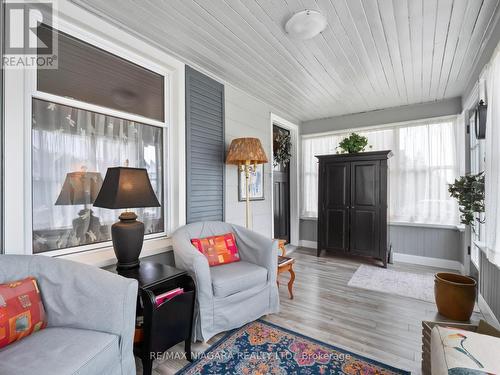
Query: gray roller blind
[95, 76]
[204, 147]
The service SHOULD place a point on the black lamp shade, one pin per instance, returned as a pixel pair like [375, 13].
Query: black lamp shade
[79, 188]
[125, 187]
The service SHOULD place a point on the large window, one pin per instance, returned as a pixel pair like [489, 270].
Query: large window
[426, 159]
[95, 111]
[72, 149]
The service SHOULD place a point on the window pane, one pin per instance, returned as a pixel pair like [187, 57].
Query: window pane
[425, 161]
[91, 75]
[72, 149]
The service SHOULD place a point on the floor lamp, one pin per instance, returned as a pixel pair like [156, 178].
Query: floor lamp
[246, 153]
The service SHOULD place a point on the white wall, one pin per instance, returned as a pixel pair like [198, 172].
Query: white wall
[247, 116]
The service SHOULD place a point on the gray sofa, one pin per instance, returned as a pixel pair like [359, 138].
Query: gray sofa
[230, 295]
[91, 320]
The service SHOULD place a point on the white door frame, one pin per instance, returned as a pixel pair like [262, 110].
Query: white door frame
[294, 177]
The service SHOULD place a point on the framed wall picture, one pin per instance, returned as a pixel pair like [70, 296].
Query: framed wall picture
[255, 184]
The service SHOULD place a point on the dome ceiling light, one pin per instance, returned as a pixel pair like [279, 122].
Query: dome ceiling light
[305, 24]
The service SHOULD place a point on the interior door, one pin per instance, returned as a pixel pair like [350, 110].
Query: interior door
[281, 199]
[281, 193]
[365, 208]
[335, 199]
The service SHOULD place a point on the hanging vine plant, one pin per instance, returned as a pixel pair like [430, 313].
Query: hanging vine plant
[468, 190]
[282, 149]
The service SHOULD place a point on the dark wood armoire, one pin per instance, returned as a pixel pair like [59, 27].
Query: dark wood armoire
[352, 204]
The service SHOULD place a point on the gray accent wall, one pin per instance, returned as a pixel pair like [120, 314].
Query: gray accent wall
[489, 284]
[384, 116]
[2, 23]
[442, 243]
[205, 136]
[308, 230]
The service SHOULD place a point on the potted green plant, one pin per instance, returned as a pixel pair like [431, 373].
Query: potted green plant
[456, 294]
[468, 190]
[282, 149]
[352, 144]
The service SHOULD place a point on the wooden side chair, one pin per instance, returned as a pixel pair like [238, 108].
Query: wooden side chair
[285, 264]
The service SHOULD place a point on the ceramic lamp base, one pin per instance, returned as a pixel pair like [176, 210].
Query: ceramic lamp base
[128, 237]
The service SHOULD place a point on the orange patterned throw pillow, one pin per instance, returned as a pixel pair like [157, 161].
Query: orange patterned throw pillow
[218, 249]
[21, 310]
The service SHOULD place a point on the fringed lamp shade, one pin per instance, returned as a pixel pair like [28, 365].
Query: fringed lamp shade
[244, 150]
[79, 188]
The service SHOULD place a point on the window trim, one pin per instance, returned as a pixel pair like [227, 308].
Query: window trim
[460, 228]
[19, 174]
[397, 125]
[114, 113]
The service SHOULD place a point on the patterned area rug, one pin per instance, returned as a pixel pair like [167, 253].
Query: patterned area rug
[407, 284]
[264, 348]
[414, 285]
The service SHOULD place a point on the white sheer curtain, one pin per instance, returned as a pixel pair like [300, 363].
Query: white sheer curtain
[426, 159]
[67, 139]
[492, 162]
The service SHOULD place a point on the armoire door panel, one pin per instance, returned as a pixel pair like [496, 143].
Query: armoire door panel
[336, 236]
[336, 206]
[365, 184]
[337, 185]
[364, 238]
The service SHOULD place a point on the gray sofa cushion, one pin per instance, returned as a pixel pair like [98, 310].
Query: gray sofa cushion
[235, 277]
[63, 351]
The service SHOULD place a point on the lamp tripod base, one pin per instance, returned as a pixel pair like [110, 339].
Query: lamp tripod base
[128, 237]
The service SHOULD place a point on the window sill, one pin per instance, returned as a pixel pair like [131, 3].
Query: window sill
[460, 228]
[309, 218]
[106, 256]
[480, 245]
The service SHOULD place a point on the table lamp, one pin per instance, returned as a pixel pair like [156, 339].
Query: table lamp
[246, 153]
[125, 187]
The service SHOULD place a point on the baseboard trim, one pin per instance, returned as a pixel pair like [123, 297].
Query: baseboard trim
[487, 312]
[290, 249]
[428, 261]
[406, 258]
[310, 244]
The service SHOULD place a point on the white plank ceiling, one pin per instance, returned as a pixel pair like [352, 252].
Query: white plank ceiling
[373, 54]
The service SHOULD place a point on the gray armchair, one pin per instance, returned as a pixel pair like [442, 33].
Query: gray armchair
[229, 295]
[91, 319]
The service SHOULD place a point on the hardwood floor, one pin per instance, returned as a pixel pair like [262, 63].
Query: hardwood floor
[381, 326]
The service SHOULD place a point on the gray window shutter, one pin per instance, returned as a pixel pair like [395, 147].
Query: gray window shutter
[2, 98]
[205, 150]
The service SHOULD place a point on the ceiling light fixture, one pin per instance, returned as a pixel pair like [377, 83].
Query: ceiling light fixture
[305, 24]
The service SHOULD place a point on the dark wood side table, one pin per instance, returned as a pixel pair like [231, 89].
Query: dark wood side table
[169, 323]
